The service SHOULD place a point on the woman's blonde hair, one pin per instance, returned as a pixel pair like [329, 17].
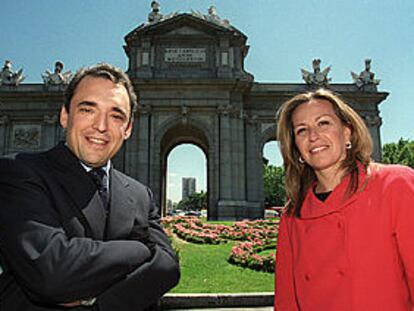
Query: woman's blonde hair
[299, 176]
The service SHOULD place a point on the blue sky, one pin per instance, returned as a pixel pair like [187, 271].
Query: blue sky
[284, 36]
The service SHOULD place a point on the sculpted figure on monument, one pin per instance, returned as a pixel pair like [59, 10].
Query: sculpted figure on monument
[155, 16]
[213, 17]
[57, 77]
[9, 77]
[366, 77]
[318, 77]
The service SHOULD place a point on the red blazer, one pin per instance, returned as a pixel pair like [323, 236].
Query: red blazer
[351, 253]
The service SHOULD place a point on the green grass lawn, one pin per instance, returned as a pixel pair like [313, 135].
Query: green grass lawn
[204, 269]
[226, 223]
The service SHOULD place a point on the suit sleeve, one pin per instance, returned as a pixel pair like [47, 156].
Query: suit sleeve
[48, 265]
[401, 199]
[285, 298]
[146, 284]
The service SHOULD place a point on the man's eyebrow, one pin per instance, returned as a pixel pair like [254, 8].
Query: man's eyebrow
[87, 103]
[119, 110]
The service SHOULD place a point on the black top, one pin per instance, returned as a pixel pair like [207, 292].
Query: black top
[322, 196]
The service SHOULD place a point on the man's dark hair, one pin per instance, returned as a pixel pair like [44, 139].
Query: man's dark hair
[105, 71]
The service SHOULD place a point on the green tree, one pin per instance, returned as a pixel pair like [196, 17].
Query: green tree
[401, 152]
[195, 202]
[274, 185]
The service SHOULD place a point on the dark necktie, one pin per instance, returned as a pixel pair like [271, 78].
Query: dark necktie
[101, 180]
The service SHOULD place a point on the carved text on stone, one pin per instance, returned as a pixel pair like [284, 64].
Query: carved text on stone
[185, 55]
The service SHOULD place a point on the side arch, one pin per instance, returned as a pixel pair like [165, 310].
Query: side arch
[267, 135]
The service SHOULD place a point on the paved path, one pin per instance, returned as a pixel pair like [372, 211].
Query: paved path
[227, 309]
[218, 302]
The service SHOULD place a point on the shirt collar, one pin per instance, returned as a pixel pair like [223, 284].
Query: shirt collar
[88, 168]
[106, 167]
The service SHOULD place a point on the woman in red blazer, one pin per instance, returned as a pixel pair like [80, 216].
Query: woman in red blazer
[346, 239]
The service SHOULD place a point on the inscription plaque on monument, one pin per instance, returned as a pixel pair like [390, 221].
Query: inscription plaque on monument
[185, 55]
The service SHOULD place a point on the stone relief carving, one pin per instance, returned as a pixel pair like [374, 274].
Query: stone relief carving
[366, 77]
[57, 77]
[26, 136]
[10, 77]
[317, 77]
[225, 110]
[184, 114]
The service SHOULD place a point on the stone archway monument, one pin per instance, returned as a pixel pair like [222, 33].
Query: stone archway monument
[188, 70]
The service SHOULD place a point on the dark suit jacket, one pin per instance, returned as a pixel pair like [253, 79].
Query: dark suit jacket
[57, 244]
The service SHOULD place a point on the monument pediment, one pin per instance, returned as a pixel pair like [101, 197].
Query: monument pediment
[182, 24]
[187, 45]
[185, 31]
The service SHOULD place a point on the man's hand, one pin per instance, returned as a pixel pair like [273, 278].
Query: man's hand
[73, 304]
[77, 303]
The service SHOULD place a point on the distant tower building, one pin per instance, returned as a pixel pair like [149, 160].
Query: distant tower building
[169, 206]
[189, 187]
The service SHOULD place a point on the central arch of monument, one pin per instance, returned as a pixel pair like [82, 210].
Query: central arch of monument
[178, 131]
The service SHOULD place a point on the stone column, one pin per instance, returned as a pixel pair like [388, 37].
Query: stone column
[231, 204]
[254, 169]
[50, 132]
[214, 170]
[137, 163]
[154, 158]
[225, 154]
[4, 122]
[239, 166]
[374, 123]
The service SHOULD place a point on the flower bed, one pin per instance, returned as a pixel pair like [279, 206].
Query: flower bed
[253, 236]
[246, 254]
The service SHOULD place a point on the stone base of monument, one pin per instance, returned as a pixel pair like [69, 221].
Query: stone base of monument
[217, 300]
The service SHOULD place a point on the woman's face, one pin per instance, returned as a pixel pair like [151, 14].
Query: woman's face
[320, 135]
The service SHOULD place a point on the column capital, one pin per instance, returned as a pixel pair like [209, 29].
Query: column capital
[4, 120]
[372, 120]
[50, 119]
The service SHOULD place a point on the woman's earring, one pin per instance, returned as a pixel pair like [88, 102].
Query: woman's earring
[301, 161]
[348, 145]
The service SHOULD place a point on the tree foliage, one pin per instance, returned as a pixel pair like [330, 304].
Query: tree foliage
[401, 152]
[274, 186]
[195, 202]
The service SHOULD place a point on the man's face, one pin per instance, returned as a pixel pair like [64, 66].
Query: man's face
[98, 120]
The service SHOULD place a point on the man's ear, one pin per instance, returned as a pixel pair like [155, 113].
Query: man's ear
[128, 130]
[63, 117]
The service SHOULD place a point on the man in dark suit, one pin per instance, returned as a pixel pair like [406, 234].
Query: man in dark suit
[75, 233]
